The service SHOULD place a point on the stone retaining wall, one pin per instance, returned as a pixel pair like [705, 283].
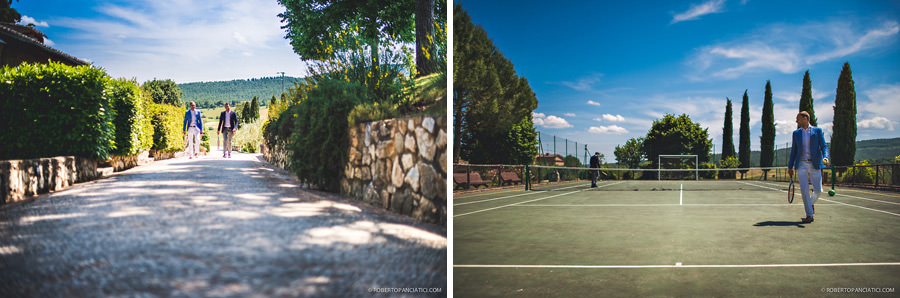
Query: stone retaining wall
[121, 163]
[400, 164]
[20, 179]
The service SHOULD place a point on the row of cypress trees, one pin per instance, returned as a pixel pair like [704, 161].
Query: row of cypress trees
[843, 138]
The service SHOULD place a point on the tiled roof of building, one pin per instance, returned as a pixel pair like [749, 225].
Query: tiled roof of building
[33, 36]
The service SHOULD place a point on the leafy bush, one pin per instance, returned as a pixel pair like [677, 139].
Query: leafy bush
[134, 132]
[862, 173]
[729, 162]
[320, 141]
[249, 136]
[167, 123]
[54, 109]
[707, 174]
[164, 92]
[204, 141]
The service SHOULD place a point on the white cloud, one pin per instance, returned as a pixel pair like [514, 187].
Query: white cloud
[879, 123]
[593, 103]
[883, 101]
[612, 129]
[569, 114]
[186, 41]
[540, 119]
[610, 118]
[788, 48]
[29, 20]
[696, 11]
[585, 83]
[49, 42]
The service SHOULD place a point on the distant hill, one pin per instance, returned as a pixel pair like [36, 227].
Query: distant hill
[208, 94]
[876, 151]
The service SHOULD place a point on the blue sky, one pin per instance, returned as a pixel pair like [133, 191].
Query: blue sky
[603, 71]
[182, 40]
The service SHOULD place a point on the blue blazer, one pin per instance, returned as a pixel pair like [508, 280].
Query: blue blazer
[187, 119]
[817, 148]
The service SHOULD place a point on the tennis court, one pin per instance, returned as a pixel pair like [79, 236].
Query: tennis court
[674, 238]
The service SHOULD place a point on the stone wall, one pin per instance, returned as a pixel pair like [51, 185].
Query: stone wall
[121, 163]
[278, 155]
[20, 179]
[400, 164]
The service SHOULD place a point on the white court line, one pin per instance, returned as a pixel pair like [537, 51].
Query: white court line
[681, 195]
[466, 203]
[659, 205]
[571, 192]
[842, 203]
[679, 266]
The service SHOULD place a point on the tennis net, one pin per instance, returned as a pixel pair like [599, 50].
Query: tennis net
[548, 178]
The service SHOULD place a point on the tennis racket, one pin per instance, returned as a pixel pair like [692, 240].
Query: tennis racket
[791, 191]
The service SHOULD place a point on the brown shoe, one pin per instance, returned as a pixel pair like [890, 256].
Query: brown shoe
[808, 219]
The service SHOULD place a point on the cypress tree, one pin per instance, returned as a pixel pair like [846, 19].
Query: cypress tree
[744, 142]
[843, 139]
[727, 131]
[806, 100]
[254, 108]
[767, 140]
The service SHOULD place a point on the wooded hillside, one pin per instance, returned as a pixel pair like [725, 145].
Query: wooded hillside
[216, 94]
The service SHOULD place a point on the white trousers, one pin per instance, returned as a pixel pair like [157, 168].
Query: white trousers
[807, 175]
[193, 141]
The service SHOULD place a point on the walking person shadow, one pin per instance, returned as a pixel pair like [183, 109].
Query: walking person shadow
[771, 223]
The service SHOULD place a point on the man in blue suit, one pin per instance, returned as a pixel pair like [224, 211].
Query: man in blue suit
[809, 155]
[193, 128]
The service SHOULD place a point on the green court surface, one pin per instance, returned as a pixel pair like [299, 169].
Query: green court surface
[675, 239]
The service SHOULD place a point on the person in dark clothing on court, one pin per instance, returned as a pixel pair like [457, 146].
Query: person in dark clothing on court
[595, 164]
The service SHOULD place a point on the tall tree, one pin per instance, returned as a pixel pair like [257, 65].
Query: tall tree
[767, 140]
[728, 132]
[806, 99]
[254, 108]
[313, 25]
[843, 138]
[424, 36]
[489, 98]
[631, 153]
[164, 92]
[676, 135]
[7, 13]
[744, 133]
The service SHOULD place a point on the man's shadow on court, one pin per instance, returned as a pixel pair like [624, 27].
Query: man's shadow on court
[770, 223]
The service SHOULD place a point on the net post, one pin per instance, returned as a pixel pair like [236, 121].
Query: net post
[527, 178]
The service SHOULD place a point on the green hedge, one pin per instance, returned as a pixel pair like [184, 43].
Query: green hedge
[134, 133]
[319, 141]
[54, 109]
[167, 124]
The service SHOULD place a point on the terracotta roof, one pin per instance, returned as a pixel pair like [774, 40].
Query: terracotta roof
[33, 36]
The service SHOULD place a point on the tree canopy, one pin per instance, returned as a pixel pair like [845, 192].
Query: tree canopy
[744, 134]
[677, 135]
[728, 132]
[7, 13]
[767, 140]
[164, 92]
[631, 153]
[492, 105]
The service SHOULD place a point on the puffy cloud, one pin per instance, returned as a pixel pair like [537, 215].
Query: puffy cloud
[29, 20]
[608, 130]
[610, 118]
[540, 119]
[593, 103]
[879, 123]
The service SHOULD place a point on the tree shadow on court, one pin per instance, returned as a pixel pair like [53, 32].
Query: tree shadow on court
[771, 223]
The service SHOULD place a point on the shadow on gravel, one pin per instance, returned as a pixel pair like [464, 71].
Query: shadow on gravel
[211, 227]
[798, 224]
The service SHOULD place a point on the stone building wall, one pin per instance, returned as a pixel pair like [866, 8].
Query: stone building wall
[400, 164]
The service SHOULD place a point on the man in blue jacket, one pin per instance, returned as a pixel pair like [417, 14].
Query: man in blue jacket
[809, 155]
[193, 128]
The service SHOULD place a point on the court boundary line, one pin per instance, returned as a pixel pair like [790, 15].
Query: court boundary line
[842, 203]
[659, 205]
[677, 265]
[494, 208]
[855, 197]
[488, 200]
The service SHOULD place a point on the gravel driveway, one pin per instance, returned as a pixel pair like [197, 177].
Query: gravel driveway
[213, 227]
